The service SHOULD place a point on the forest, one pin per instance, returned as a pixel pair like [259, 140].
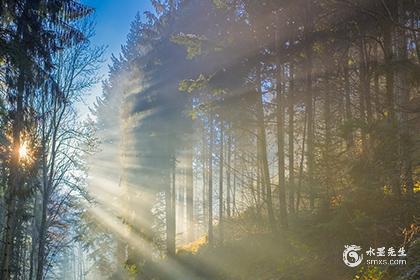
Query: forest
[232, 139]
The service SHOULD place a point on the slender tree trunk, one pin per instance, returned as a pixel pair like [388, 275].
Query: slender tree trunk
[366, 81]
[309, 101]
[34, 237]
[44, 206]
[228, 171]
[3, 189]
[190, 178]
[180, 204]
[310, 139]
[363, 91]
[47, 182]
[190, 194]
[291, 111]
[403, 96]
[389, 73]
[259, 204]
[14, 182]
[170, 201]
[42, 236]
[22, 257]
[301, 165]
[347, 101]
[204, 172]
[376, 83]
[280, 149]
[281, 118]
[263, 152]
[234, 187]
[390, 101]
[210, 181]
[221, 162]
[325, 206]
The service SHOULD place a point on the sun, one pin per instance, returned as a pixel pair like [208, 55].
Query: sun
[23, 151]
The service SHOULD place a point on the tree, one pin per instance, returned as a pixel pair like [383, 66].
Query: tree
[37, 41]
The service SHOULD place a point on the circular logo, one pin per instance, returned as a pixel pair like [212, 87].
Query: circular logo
[351, 257]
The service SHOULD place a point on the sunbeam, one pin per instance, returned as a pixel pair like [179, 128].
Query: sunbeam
[209, 139]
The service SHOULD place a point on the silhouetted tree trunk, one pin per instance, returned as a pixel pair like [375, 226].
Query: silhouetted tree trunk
[403, 99]
[390, 98]
[14, 181]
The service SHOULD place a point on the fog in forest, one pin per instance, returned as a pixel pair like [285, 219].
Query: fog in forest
[227, 139]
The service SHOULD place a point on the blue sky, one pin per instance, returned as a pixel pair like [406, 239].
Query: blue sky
[113, 18]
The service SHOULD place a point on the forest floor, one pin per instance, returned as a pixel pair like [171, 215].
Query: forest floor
[298, 253]
[247, 253]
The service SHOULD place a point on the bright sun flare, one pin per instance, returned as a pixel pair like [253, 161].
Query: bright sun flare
[23, 151]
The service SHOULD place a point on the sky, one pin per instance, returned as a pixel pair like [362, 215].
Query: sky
[113, 18]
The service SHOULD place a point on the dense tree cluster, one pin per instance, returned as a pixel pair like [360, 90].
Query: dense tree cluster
[235, 139]
[281, 117]
[46, 63]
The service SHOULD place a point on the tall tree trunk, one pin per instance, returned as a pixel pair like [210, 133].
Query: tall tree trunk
[34, 238]
[180, 204]
[42, 236]
[281, 100]
[389, 73]
[190, 178]
[390, 100]
[259, 205]
[309, 101]
[260, 177]
[280, 149]
[190, 193]
[48, 170]
[204, 173]
[14, 182]
[221, 162]
[347, 101]
[366, 80]
[170, 202]
[301, 165]
[235, 178]
[403, 96]
[263, 152]
[228, 171]
[3, 189]
[210, 181]
[327, 150]
[291, 111]
[363, 91]
[376, 83]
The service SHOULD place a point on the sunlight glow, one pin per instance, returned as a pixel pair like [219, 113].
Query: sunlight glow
[23, 151]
